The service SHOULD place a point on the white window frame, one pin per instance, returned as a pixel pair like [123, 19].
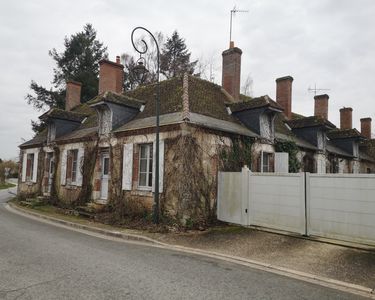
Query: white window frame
[149, 185]
[74, 169]
[32, 167]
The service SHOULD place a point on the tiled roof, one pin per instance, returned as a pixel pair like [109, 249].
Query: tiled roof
[78, 134]
[263, 101]
[38, 140]
[57, 113]
[299, 142]
[331, 148]
[343, 134]
[197, 119]
[118, 99]
[312, 121]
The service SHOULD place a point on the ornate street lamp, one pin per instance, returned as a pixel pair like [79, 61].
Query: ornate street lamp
[139, 69]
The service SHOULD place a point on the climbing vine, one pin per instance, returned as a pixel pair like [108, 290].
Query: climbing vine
[292, 149]
[237, 156]
[87, 168]
[54, 198]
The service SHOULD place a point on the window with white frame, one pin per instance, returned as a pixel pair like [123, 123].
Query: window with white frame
[72, 166]
[29, 166]
[145, 165]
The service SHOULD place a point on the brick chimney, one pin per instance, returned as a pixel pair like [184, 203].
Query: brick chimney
[346, 121]
[366, 127]
[284, 94]
[111, 76]
[321, 106]
[73, 94]
[231, 78]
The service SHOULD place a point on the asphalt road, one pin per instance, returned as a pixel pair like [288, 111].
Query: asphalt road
[42, 261]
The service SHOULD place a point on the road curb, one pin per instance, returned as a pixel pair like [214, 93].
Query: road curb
[320, 280]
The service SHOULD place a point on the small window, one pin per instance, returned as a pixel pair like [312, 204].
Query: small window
[145, 165]
[267, 162]
[72, 166]
[29, 166]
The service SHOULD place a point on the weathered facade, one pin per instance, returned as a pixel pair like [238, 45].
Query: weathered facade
[103, 150]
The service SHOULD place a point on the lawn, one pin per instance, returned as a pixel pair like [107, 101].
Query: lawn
[6, 185]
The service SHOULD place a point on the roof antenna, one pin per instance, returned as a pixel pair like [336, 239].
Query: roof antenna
[315, 90]
[232, 13]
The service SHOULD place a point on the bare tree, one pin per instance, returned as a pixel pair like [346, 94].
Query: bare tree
[247, 87]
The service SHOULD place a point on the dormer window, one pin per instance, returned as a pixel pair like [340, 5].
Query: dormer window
[266, 126]
[51, 132]
[105, 119]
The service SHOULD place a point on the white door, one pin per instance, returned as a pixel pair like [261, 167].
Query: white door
[105, 176]
[51, 170]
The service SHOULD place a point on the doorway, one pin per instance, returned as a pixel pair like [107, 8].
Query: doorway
[104, 176]
[51, 170]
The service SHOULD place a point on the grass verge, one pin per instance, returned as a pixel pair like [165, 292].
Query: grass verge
[6, 185]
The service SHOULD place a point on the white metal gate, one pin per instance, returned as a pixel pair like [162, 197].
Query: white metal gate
[340, 206]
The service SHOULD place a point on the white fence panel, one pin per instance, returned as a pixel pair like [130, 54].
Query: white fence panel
[229, 205]
[342, 207]
[277, 201]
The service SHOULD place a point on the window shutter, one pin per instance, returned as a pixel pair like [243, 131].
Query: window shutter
[35, 166]
[281, 162]
[161, 165]
[63, 167]
[24, 166]
[80, 162]
[127, 167]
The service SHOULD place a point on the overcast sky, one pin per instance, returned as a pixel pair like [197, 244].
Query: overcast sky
[329, 43]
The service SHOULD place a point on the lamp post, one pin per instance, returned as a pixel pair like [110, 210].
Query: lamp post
[140, 69]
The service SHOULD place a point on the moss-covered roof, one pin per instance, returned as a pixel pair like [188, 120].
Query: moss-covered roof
[56, 113]
[343, 134]
[263, 101]
[296, 116]
[207, 98]
[312, 121]
[170, 97]
[118, 99]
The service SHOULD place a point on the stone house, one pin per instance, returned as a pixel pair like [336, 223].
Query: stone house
[103, 150]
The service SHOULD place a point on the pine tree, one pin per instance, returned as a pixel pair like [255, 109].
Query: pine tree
[80, 62]
[175, 57]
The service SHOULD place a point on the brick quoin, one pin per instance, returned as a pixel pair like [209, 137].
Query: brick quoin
[284, 94]
[366, 127]
[346, 121]
[321, 106]
[73, 94]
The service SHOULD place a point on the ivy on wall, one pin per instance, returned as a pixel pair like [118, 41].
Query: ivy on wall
[87, 169]
[292, 149]
[238, 155]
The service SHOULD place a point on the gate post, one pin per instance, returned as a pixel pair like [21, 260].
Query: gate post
[245, 176]
[307, 203]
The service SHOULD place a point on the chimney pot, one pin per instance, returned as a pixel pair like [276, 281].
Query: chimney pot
[231, 78]
[73, 94]
[366, 127]
[346, 121]
[111, 76]
[284, 94]
[321, 106]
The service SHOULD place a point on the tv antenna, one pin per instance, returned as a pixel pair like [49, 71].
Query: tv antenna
[232, 13]
[315, 90]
